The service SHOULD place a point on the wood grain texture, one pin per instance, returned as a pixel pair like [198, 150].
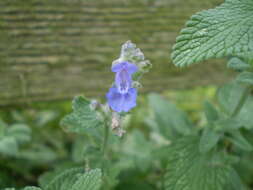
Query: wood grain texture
[53, 50]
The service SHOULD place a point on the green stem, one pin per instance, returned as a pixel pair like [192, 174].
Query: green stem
[241, 101]
[105, 142]
[104, 149]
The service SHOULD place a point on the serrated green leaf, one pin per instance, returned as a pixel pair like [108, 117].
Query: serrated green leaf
[91, 180]
[65, 180]
[168, 117]
[188, 169]
[32, 188]
[21, 133]
[210, 112]
[238, 140]
[48, 176]
[226, 30]
[8, 146]
[237, 64]
[82, 117]
[245, 77]
[208, 140]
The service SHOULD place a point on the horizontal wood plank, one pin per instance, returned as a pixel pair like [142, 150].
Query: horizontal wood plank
[53, 50]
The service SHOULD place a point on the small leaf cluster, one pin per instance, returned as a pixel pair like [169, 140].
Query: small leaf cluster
[72, 179]
[12, 137]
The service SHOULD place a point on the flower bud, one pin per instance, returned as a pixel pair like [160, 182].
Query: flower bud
[115, 123]
[145, 66]
[94, 104]
[136, 84]
[120, 132]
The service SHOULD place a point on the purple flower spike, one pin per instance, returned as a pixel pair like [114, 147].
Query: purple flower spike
[122, 97]
[121, 102]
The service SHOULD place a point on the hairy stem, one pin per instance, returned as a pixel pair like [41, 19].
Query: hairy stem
[241, 101]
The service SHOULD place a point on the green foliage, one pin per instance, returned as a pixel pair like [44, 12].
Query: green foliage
[32, 188]
[82, 118]
[246, 78]
[228, 97]
[72, 179]
[238, 64]
[11, 137]
[236, 182]
[8, 146]
[238, 140]
[89, 181]
[139, 159]
[20, 132]
[62, 177]
[223, 31]
[138, 149]
[188, 169]
[75, 178]
[39, 153]
[168, 118]
[210, 112]
[208, 140]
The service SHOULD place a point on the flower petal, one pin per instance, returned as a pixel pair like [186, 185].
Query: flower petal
[129, 100]
[121, 102]
[123, 81]
[118, 66]
[115, 99]
[130, 67]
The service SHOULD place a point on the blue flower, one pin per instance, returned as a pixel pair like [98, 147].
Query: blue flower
[122, 97]
[121, 102]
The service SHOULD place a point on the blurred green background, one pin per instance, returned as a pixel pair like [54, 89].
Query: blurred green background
[44, 146]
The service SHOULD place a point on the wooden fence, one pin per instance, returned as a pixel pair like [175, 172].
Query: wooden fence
[55, 49]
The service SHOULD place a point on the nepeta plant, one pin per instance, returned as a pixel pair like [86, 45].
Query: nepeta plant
[101, 122]
[183, 155]
[98, 128]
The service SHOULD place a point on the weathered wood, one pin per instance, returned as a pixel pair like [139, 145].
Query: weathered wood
[57, 49]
